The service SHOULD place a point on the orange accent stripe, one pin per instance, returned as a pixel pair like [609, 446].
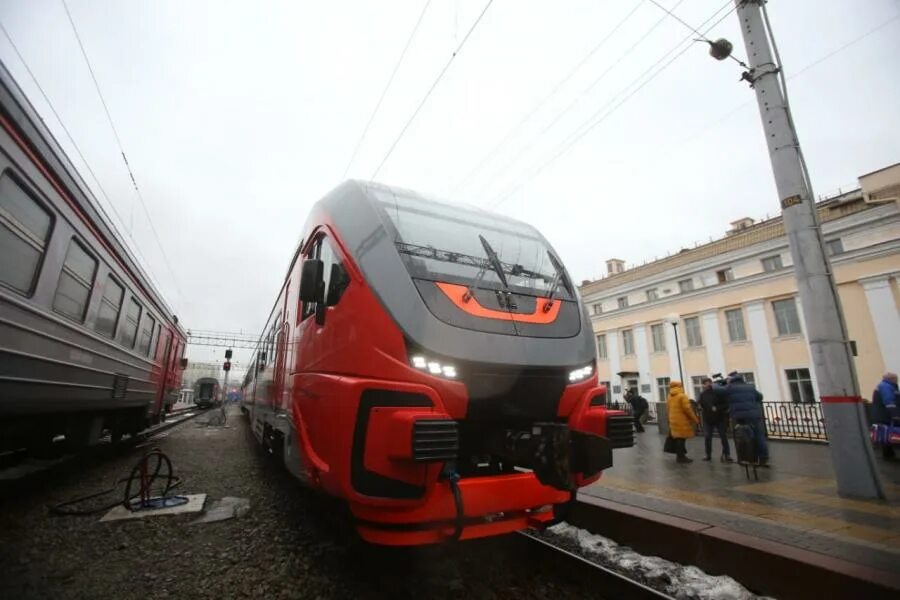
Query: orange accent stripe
[456, 293]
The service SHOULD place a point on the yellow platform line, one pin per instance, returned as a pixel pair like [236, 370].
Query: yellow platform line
[806, 522]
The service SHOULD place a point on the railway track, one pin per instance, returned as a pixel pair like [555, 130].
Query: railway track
[19, 470]
[609, 583]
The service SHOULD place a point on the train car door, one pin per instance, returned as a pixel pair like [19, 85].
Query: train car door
[165, 374]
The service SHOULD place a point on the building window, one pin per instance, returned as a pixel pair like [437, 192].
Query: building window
[772, 263]
[662, 388]
[692, 328]
[735, 320]
[73, 290]
[110, 304]
[623, 302]
[801, 386]
[748, 377]
[786, 319]
[652, 294]
[146, 336]
[659, 337]
[628, 341]
[24, 231]
[598, 308]
[601, 346]
[697, 386]
[834, 247]
[130, 327]
[685, 285]
[725, 275]
[608, 392]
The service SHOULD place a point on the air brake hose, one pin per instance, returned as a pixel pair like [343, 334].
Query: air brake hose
[449, 473]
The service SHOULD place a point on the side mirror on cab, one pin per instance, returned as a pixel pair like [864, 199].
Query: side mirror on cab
[311, 279]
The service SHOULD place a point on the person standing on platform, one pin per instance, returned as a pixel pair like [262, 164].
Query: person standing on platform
[639, 408]
[885, 406]
[745, 408]
[715, 419]
[682, 420]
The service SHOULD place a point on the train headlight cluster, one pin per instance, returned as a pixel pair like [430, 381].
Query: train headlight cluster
[581, 374]
[434, 367]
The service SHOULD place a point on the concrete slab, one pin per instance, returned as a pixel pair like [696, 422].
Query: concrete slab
[194, 504]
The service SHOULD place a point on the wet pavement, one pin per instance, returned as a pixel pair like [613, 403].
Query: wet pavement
[794, 502]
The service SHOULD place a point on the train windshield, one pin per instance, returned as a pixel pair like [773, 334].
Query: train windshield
[443, 242]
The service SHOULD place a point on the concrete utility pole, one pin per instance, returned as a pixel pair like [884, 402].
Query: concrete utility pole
[851, 452]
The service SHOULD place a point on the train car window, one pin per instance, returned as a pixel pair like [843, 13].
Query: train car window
[110, 305]
[146, 336]
[154, 345]
[24, 231]
[73, 290]
[129, 328]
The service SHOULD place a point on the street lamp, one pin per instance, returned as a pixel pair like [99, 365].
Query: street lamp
[673, 319]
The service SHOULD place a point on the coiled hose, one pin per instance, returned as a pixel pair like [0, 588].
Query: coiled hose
[140, 473]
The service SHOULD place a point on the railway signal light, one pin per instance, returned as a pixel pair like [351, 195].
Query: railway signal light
[227, 366]
[228, 354]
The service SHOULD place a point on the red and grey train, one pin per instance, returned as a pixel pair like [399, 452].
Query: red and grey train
[87, 344]
[433, 366]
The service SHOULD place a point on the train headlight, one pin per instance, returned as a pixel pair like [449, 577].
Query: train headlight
[432, 366]
[581, 374]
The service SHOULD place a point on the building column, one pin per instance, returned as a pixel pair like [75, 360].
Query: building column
[883, 308]
[612, 353]
[643, 356]
[712, 339]
[767, 380]
[672, 349]
[812, 371]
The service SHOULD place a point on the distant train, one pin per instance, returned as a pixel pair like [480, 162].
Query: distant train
[87, 344]
[434, 367]
[206, 392]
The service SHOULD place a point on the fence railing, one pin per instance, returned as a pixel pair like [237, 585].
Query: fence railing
[784, 420]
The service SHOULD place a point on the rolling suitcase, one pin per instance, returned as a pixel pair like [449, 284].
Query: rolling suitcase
[745, 444]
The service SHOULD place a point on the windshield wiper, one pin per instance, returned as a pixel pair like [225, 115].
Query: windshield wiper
[557, 278]
[494, 260]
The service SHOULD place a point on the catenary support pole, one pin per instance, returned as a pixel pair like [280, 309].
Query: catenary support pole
[851, 451]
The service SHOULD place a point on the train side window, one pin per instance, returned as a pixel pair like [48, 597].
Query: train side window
[110, 305]
[146, 336]
[132, 320]
[24, 231]
[73, 290]
[154, 345]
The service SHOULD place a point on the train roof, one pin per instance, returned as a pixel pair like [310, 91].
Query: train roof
[16, 105]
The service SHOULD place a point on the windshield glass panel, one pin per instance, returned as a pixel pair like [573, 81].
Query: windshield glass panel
[441, 242]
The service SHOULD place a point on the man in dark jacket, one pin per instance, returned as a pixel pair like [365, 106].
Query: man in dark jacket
[715, 419]
[639, 407]
[885, 407]
[745, 408]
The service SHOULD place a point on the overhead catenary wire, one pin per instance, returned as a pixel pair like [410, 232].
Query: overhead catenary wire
[703, 38]
[52, 107]
[386, 88]
[526, 147]
[486, 159]
[431, 89]
[611, 107]
[112, 125]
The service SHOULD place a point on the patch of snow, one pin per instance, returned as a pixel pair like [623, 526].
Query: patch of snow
[680, 581]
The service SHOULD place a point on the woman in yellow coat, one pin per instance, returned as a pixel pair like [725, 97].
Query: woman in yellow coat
[682, 419]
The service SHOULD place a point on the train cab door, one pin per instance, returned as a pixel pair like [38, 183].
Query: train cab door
[165, 375]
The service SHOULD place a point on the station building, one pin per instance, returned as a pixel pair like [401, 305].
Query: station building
[733, 305]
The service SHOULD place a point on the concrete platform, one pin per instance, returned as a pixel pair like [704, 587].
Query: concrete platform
[795, 502]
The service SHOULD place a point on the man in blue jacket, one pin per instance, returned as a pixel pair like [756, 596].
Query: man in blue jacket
[745, 408]
[885, 401]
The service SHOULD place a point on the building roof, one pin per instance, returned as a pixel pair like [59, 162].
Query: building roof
[828, 209]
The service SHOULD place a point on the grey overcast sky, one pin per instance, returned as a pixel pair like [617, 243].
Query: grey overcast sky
[237, 116]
